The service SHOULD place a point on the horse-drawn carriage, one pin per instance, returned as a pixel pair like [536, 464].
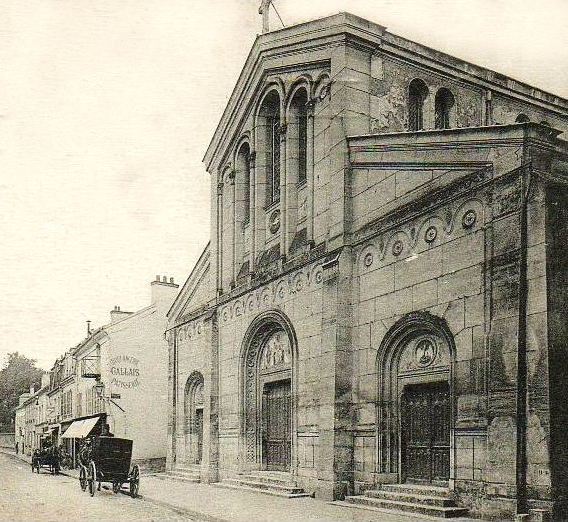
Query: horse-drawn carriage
[107, 459]
[46, 456]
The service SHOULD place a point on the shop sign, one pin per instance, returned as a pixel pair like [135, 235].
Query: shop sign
[124, 372]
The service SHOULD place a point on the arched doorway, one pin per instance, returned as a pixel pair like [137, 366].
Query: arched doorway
[268, 379]
[415, 406]
[193, 422]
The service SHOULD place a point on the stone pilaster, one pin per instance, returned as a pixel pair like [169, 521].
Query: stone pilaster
[210, 456]
[335, 461]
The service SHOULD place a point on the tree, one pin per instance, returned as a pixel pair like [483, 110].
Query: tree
[16, 377]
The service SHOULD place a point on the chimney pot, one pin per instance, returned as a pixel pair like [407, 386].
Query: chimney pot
[164, 279]
[157, 278]
[171, 280]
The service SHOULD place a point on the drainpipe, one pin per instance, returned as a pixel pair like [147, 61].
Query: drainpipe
[174, 396]
[521, 454]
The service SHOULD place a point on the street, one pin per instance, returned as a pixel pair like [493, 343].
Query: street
[27, 496]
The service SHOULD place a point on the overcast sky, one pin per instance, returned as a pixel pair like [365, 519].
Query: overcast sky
[107, 106]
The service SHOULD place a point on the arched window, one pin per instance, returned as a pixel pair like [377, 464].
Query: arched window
[417, 92]
[522, 118]
[270, 111]
[443, 105]
[243, 179]
[299, 118]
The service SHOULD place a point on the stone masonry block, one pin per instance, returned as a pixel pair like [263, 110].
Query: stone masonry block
[459, 284]
[425, 295]
[463, 252]
[418, 268]
[378, 282]
[395, 303]
[475, 310]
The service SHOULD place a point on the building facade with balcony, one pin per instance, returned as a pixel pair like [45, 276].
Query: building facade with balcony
[120, 382]
[383, 297]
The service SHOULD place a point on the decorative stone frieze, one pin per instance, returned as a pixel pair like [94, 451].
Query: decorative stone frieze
[274, 293]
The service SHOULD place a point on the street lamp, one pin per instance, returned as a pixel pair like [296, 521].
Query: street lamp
[99, 388]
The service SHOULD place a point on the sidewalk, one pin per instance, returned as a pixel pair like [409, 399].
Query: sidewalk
[12, 453]
[209, 503]
[215, 504]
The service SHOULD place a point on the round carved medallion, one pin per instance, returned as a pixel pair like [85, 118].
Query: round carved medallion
[425, 352]
[430, 234]
[274, 222]
[469, 219]
[368, 259]
[397, 247]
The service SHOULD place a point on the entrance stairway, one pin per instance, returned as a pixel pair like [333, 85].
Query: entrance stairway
[185, 473]
[408, 498]
[274, 483]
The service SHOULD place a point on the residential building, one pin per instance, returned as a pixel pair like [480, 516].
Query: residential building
[121, 379]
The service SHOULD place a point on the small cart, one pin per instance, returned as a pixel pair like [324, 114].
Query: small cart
[46, 457]
[107, 459]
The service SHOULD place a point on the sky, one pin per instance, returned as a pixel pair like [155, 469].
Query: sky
[107, 107]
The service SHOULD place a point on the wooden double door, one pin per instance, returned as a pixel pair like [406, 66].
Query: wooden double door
[277, 421]
[425, 437]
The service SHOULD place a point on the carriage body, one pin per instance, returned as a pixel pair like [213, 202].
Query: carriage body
[109, 460]
[112, 458]
[46, 457]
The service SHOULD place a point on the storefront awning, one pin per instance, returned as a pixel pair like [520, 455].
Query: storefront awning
[80, 428]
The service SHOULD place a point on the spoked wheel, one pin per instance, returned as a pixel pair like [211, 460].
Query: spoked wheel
[135, 481]
[92, 478]
[116, 487]
[83, 477]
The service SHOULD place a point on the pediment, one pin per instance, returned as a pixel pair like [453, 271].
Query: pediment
[197, 291]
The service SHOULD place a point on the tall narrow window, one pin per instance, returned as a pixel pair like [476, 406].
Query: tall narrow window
[443, 106]
[417, 92]
[297, 119]
[270, 114]
[302, 136]
[274, 171]
[243, 179]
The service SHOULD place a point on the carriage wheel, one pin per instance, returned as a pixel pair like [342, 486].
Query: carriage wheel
[134, 481]
[92, 478]
[116, 486]
[83, 477]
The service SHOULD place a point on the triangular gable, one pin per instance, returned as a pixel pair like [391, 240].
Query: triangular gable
[197, 291]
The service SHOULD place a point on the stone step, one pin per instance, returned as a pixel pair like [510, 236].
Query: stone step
[189, 467]
[406, 507]
[179, 476]
[290, 488]
[268, 479]
[415, 498]
[417, 489]
[273, 492]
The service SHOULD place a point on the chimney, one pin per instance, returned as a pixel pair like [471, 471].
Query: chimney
[163, 292]
[117, 314]
[32, 389]
[88, 327]
[45, 380]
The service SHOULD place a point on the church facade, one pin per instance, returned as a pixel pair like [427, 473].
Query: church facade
[383, 297]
